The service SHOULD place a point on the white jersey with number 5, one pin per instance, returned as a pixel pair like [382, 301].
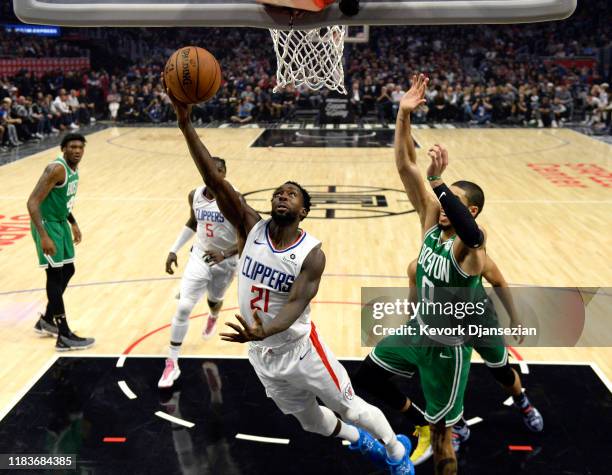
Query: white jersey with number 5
[214, 232]
[265, 278]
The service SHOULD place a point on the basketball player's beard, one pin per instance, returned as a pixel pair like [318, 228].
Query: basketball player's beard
[283, 219]
[445, 227]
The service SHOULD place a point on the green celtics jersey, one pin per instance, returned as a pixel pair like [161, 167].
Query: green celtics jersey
[60, 200]
[449, 298]
[437, 266]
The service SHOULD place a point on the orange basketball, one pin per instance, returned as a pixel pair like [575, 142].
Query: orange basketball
[192, 74]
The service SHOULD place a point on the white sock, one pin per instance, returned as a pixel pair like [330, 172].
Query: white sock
[174, 353]
[374, 421]
[395, 449]
[348, 432]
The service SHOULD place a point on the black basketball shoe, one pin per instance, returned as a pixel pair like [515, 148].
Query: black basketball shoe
[70, 342]
[44, 328]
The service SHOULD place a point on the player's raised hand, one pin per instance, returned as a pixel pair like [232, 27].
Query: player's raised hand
[171, 259]
[415, 96]
[247, 332]
[183, 111]
[439, 160]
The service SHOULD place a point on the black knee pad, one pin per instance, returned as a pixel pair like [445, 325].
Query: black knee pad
[212, 304]
[504, 375]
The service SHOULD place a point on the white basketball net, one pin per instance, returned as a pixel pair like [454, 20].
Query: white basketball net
[310, 57]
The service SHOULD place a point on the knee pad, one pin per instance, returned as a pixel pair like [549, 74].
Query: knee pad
[504, 375]
[212, 304]
[183, 311]
[317, 419]
[359, 413]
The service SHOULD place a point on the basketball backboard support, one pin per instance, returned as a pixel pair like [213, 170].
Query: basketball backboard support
[248, 13]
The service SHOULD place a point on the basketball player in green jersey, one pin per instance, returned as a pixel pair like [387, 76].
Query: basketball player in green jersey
[496, 356]
[54, 229]
[451, 241]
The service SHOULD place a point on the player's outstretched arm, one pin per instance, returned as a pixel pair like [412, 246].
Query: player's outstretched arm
[231, 205]
[495, 277]
[405, 155]
[469, 249]
[302, 292]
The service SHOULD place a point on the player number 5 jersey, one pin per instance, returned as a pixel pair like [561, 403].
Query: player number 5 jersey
[214, 232]
[265, 278]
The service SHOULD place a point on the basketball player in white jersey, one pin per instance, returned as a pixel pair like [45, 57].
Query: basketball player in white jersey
[280, 270]
[211, 268]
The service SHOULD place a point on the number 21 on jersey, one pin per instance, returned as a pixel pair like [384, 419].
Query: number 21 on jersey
[261, 294]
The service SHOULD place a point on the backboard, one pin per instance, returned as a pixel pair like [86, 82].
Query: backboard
[247, 13]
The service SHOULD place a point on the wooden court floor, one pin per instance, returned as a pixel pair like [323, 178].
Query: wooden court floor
[547, 213]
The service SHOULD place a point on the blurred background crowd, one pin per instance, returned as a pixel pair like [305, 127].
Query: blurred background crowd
[539, 75]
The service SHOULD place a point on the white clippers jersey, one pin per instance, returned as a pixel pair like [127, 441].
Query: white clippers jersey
[214, 231]
[265, 279]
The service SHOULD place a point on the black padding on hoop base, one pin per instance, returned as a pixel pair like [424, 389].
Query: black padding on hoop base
[349, 7]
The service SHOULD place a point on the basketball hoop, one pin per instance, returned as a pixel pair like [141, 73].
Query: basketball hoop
[310, 57]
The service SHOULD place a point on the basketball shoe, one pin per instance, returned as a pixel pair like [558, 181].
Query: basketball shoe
[461, 433]
[170, 374]
[370, 447]
[44, 328]
[423, 450]
[70, 342]
[533, 419]
[403, 466]
[531, 416]
[211, 327]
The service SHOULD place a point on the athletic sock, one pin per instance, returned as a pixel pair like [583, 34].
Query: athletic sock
[348, 432]
[415, 415]
[61, 324]
[521, 401]
[174, 352]
[215, 309]
[395, 449]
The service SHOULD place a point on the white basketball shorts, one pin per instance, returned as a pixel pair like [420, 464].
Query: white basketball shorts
[200, 278]
[297, 373]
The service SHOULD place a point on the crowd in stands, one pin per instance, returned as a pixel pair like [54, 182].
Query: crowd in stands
[479, 75]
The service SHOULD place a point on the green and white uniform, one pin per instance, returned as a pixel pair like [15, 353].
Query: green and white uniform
[443, 369]
[54, 211]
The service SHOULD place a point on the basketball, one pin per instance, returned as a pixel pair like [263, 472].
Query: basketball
[192, 74]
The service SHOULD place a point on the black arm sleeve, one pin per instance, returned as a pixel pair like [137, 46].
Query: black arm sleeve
[460, 217]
